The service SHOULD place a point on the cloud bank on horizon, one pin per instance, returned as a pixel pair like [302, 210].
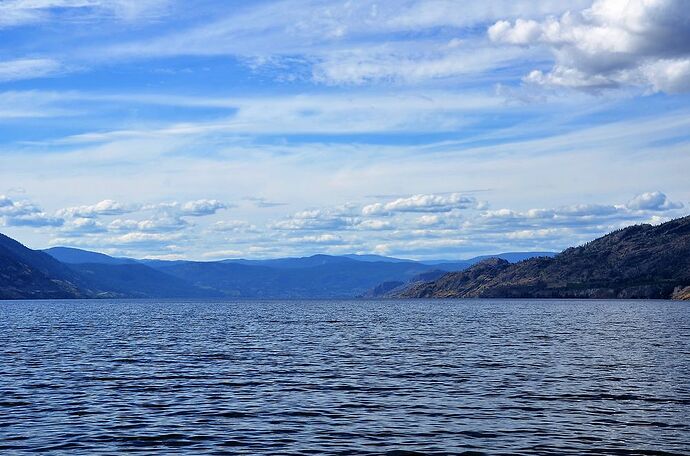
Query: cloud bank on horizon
[417, 128]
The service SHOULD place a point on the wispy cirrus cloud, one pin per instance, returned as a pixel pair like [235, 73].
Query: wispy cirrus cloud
[29, 68]
[22, 12]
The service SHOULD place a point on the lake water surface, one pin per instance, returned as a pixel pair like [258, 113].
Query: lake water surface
[345, 377]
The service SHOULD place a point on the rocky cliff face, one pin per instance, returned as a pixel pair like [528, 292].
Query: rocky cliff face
[642, 261]
[681, 293]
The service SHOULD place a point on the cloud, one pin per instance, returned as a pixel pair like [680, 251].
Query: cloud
[374, 225]
[202, 207]
[196, 208]
[36, 220]
[21, 12]
[146, 239]
[652, 201]
[320, 239]
[82, 226]
[421, 203]
[367, 66]
[105, 207]
[612, 43]
[263, 202]
[24, 213]
[231, 226]
[163, 223]
[13, 70]
[313, 220]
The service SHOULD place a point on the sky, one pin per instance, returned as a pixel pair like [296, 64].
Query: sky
[424, 129]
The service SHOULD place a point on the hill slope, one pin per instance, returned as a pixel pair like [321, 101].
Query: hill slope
[28, 274]
[32, 274]
[641, 261]
[70, 255]
[137, 281]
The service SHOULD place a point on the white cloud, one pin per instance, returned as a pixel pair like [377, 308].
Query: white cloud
[230, 226]
[610, 44]
[201, 207]
[653, 201]
[105, 207]
[82, 226]
[421, 203]
[366, 66]
[374, 225]
[21, 12]
[25, 213]
[162, 223]
[196, 208]
[13, 70]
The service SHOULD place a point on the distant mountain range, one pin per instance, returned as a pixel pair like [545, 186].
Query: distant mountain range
[63, 272]
[641, 261]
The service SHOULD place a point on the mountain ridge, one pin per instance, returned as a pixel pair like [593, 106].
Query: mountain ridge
[640, 261]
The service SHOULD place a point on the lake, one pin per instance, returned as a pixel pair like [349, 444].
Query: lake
[345, 377]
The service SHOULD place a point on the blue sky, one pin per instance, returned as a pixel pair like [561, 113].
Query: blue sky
[413, 128]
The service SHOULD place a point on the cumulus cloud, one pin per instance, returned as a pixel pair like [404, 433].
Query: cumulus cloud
[321, 239]
[421, 203]
[313, 220]
[162, 223]
[146, 239]
[374, 225]
[36, 220]
[25, 213]
[197, 208]
[105, 207]
[231, 226]
[201, 207]
[653, 201]
[613, 43]
[82, 226]
[584, 220]
[424, 226]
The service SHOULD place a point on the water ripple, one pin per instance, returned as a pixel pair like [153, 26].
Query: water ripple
[398, 378]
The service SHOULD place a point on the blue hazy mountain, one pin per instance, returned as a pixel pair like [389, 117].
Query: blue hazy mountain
[70, 272]
[135, 280]
[71, 255]
[378, 258]
[329, 277]
[297, 262]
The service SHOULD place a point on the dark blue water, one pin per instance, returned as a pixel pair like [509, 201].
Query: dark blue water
[338, 377]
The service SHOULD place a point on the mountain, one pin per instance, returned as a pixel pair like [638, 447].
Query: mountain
[138, 281]
[512, 257]
[70, 255]
[386, 289]
[125, 277]
[379, 258]
[294, 263]
[342, 278]
[641, 261]
[29, 274]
